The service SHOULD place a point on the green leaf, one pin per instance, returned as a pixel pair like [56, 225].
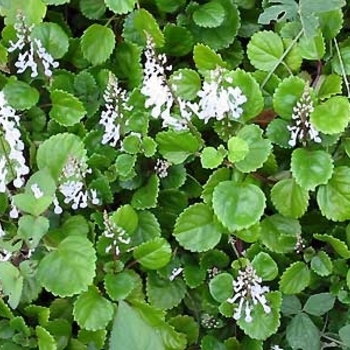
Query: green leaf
[263, 324]
[265, 50]
[259, 149]
[119, 286]
[120, 7]
[196, 229]
[206, 58]
[126, 218]
[186, 83]
[287, 95]
[334, 197]
[53, 38]
[250, 234]
[265, 266]
[222, 36]
[153, 254]
[312, 48]
[146, 196]
[220, 287]
[289, 198]
[32, 229]
[344, 334]
[139, 23]
[63, 146]
[67, 110]
[319, 304]
[211, 158]
[11, 283]
[303, 334]
[209, 15]
[178, 40]
[55, 2]
[20, 95]
[187, 325]
[279, 233]
[215, 178]
[148, 228]
[92, 311]
[97, 43]
[283, 10]
[339, 246]
[177, 146]
[93, 339]
[238, 206]
[163, 293]
[329, 85]
[295, 278]
[33, 11]
[251, 89]
[124, 165]
[45, 340]
[332, 116]
[238, 148]
[291, 305]
[70, 268]
[338, 63]
[311, 168]
[131, 331]
[92, 9]
[331, 23]
[170, 5]
[321, 264]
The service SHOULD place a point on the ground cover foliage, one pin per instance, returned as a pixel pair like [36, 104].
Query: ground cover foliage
[174, 174]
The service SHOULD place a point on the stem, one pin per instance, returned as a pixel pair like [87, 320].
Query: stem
[110, 20]
[285, 53]
[333, 340]
[342, 67]
[8, 160]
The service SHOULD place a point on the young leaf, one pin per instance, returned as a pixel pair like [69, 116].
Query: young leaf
[153, 254]
[97, 43]
[238, 206]
[220, 287]
[211, 158]
[265, 266]
[196, 230]
[238, 148]
[119, 286]
[186, 83]
[321, 264]
[289, 198]
[45, 339]
[206, 59]
[295, 278]
[311, 168]
[146, 197]
[20, 95]
[92, 311]
[67, 109]
[92, 9]
[69, 269]
[339, 246]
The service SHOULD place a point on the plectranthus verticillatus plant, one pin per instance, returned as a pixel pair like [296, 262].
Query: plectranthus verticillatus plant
[174, 175]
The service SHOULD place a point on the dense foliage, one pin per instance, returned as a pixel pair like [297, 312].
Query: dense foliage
[174, 174]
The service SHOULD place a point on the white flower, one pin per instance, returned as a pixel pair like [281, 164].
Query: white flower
[2, 232]
[38, 193]
[276, 347]
[175, 272]
[248, 292]
[31, 51]
[116, 105]
[13, 164]
[161, 168]
[159, 95]
[5, 255]
[116, 233]
[72, 185]
[302, 129]
[218, 100]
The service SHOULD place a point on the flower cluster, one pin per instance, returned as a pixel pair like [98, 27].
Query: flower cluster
[161, 168]
[114, 232]
[113, 117]
[218, 99]
[31, 50]
[248, 292]
[302, 128]
[276, 347]
[158, 92]
[210, 322]
[72, 186]
[176, 271]
[12, 161]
